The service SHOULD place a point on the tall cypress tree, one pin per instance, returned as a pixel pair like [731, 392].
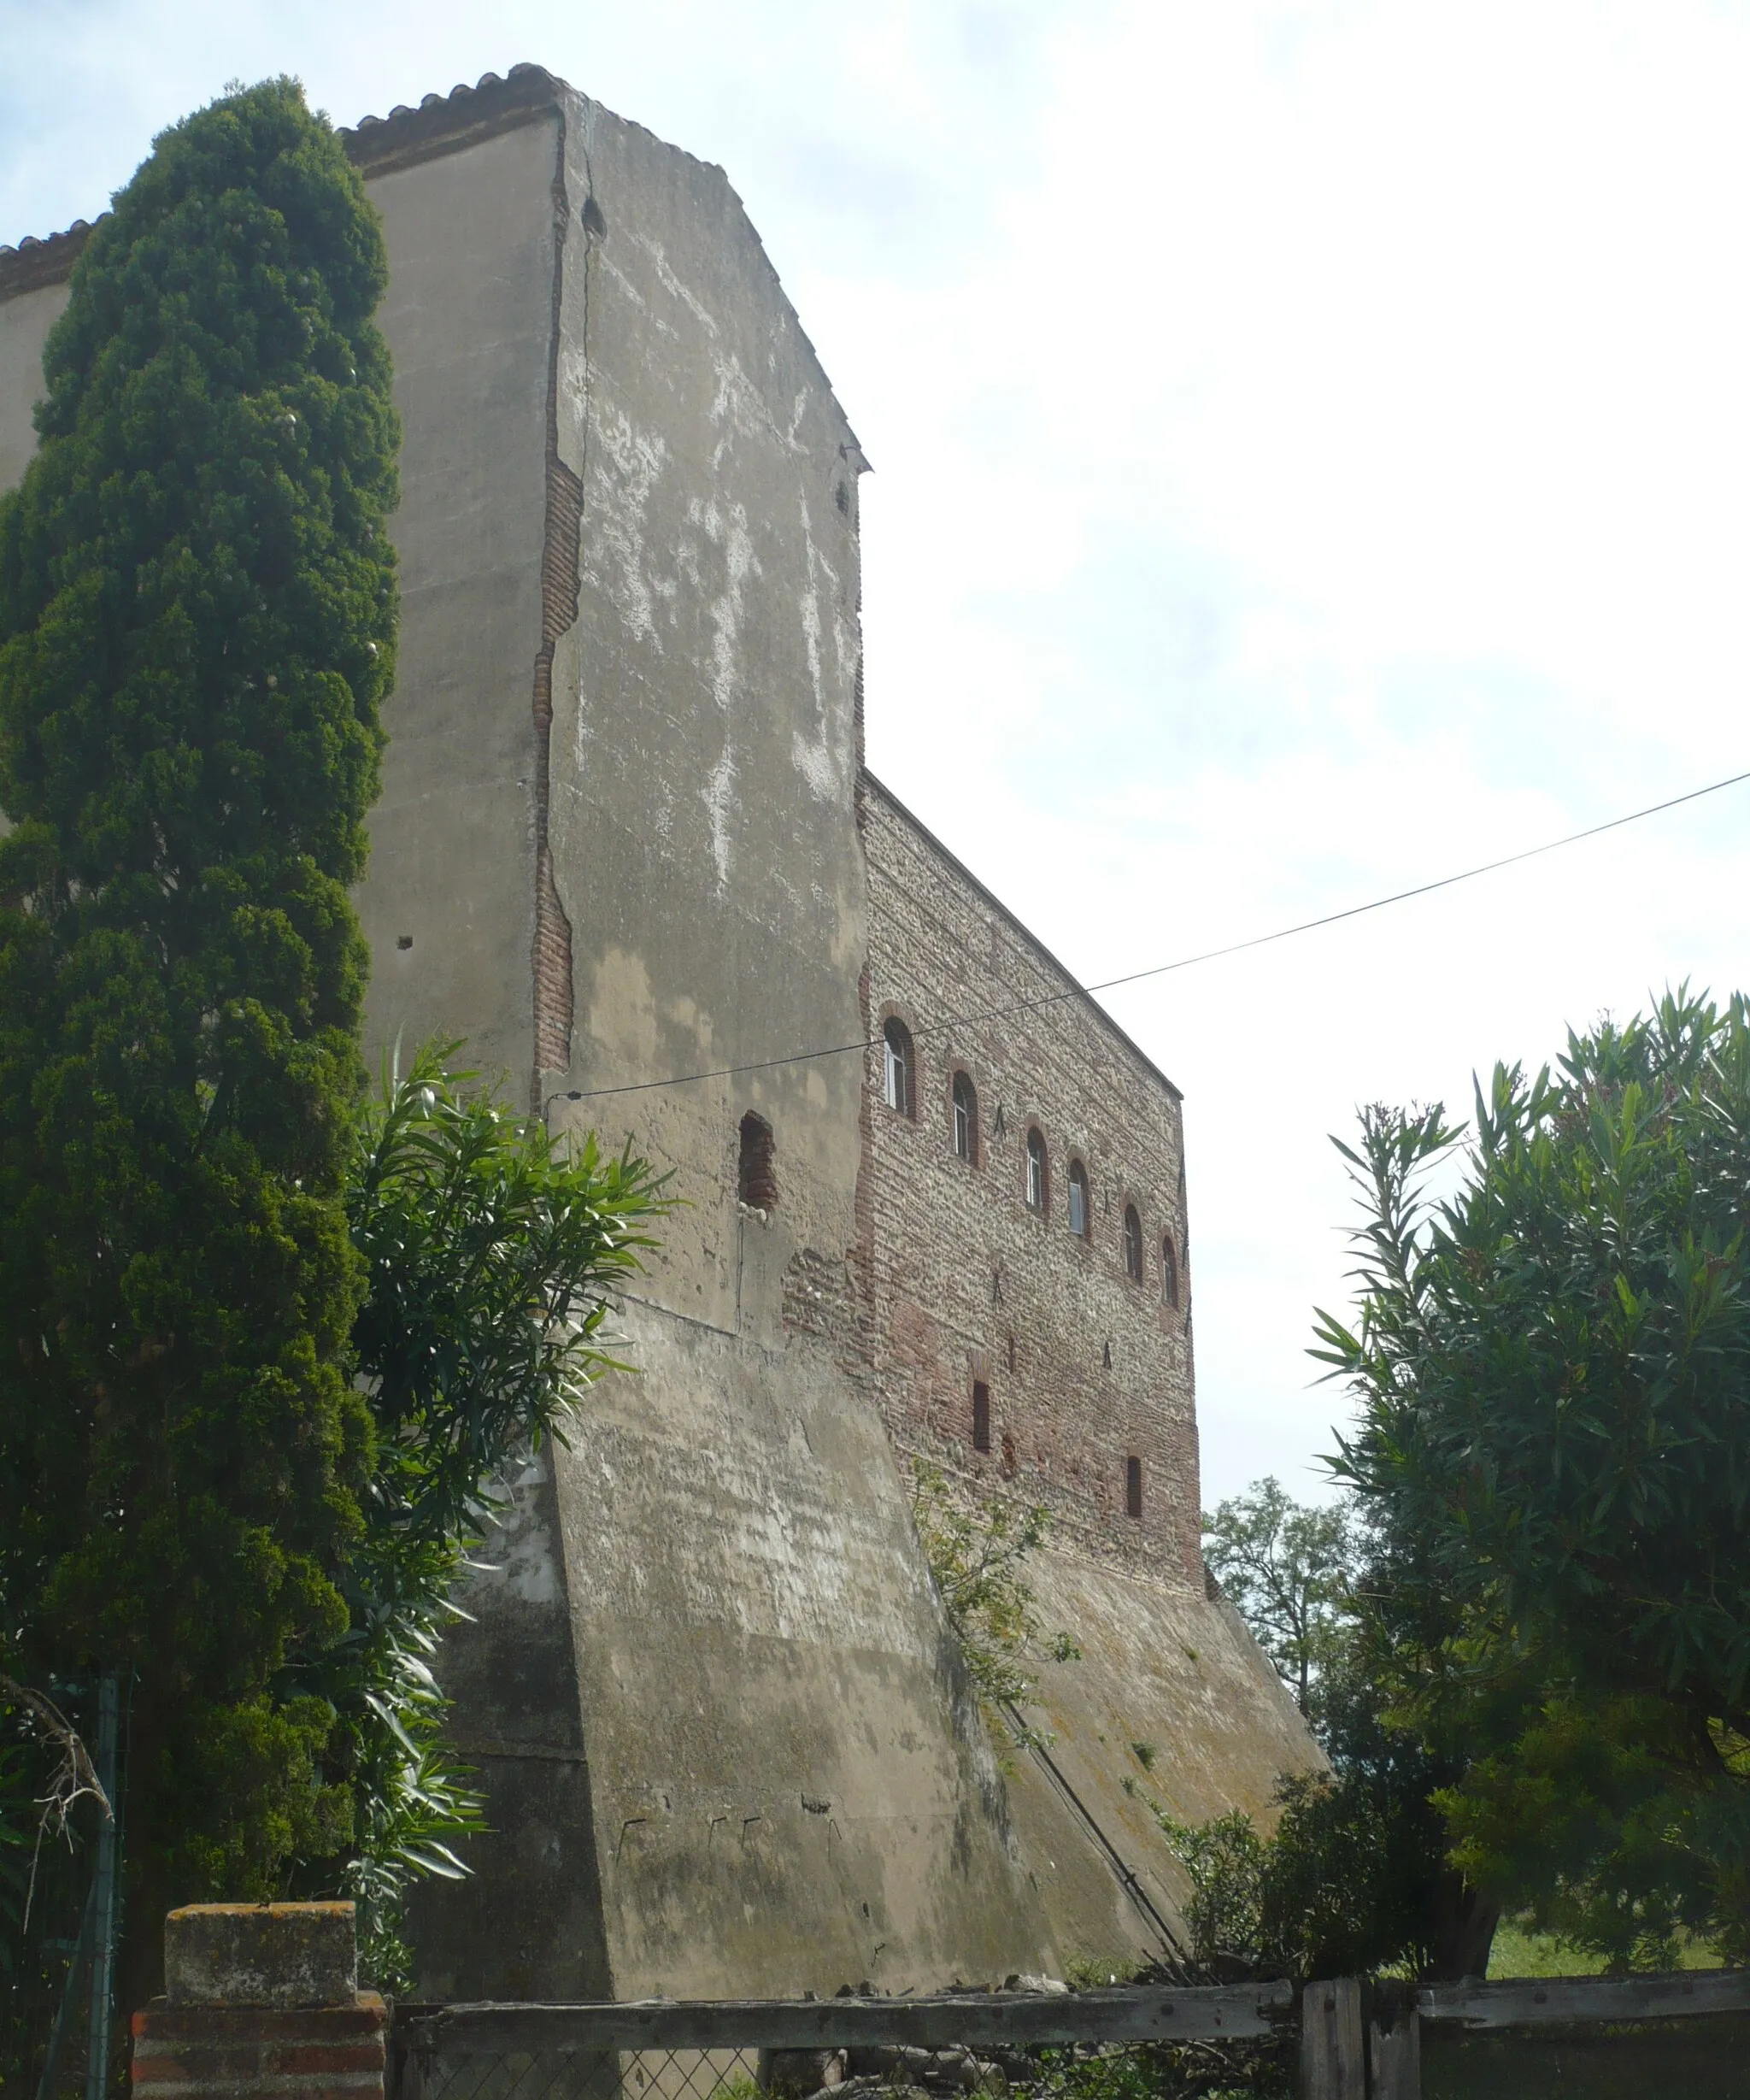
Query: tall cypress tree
[198, 619]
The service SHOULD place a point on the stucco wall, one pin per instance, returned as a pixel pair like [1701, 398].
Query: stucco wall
[1171, 1704]
[25, 322]
[448, 904]
[704, 740]
[791, 1787]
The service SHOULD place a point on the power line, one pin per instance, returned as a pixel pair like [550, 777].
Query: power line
[1184, 962]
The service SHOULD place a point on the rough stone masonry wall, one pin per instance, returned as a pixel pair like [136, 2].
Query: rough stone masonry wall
[1086, 1368]
[1168, 1703]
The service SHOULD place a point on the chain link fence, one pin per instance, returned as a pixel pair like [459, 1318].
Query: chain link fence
[1139, 2044]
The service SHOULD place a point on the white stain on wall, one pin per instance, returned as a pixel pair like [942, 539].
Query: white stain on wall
[727, 529]
[816, 757]
[627, 464]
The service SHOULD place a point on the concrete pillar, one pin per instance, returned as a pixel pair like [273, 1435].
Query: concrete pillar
[260, 1999]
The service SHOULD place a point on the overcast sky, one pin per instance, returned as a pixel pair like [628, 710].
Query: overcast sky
[1313, 455]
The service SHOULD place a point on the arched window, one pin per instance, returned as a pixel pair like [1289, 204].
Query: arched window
[900, 1081]
[1133, 1243]
[1079, 1213]
[1038, 1186]
[1169, 1272]
[756, 1183]
[965, 1119]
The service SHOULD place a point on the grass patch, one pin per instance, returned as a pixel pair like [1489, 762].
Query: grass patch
[1518, 1951]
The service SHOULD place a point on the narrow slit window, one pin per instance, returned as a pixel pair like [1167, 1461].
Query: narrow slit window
[1169, 1273]
[981, 1415]
[965, 1120]
[1133, 1488]
[757, 1180]
[1078, 1199]
[1038, 1185]
[1133, 1243]
[900, 1071]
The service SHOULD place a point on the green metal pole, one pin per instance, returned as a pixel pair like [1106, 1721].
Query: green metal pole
[103, 1965]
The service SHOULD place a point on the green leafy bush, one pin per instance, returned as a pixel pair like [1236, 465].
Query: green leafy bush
[1552, 1371]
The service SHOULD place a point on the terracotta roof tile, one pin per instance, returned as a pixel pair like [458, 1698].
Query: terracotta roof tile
[439, 124]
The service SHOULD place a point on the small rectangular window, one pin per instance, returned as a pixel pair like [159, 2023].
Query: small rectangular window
[1133, 1487]
[981, 1415]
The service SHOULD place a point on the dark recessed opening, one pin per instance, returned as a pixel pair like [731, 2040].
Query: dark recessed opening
[1133, 1487]
[981, 1415]
[964, 1117]
[403, 940]
[842, 497]
[757, 1182]
[899, 1067]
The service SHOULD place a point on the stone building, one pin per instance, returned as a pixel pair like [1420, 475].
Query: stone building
[628, 848]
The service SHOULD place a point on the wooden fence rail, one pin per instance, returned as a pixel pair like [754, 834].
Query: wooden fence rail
[1541, 2002]
[1357, 2041]
[984, 2019]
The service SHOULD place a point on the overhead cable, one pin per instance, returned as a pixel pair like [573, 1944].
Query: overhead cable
[1162, 969]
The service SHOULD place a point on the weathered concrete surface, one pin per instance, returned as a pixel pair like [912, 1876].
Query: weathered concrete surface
[529, 1924]
[704, 740]
[449, 903]
[785, 1729]
[25, 322]
[261, 1954]
[1178, 1675]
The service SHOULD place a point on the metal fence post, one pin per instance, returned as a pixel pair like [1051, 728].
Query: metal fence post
[103, 1892]
[1333, 2041]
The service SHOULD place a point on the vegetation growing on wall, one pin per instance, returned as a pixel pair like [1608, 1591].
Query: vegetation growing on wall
[978, 1553]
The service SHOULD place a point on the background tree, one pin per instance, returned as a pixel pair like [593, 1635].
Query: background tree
[1285, 1567]
[1552, 1368]
[198, 621]
[1355, 1875]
